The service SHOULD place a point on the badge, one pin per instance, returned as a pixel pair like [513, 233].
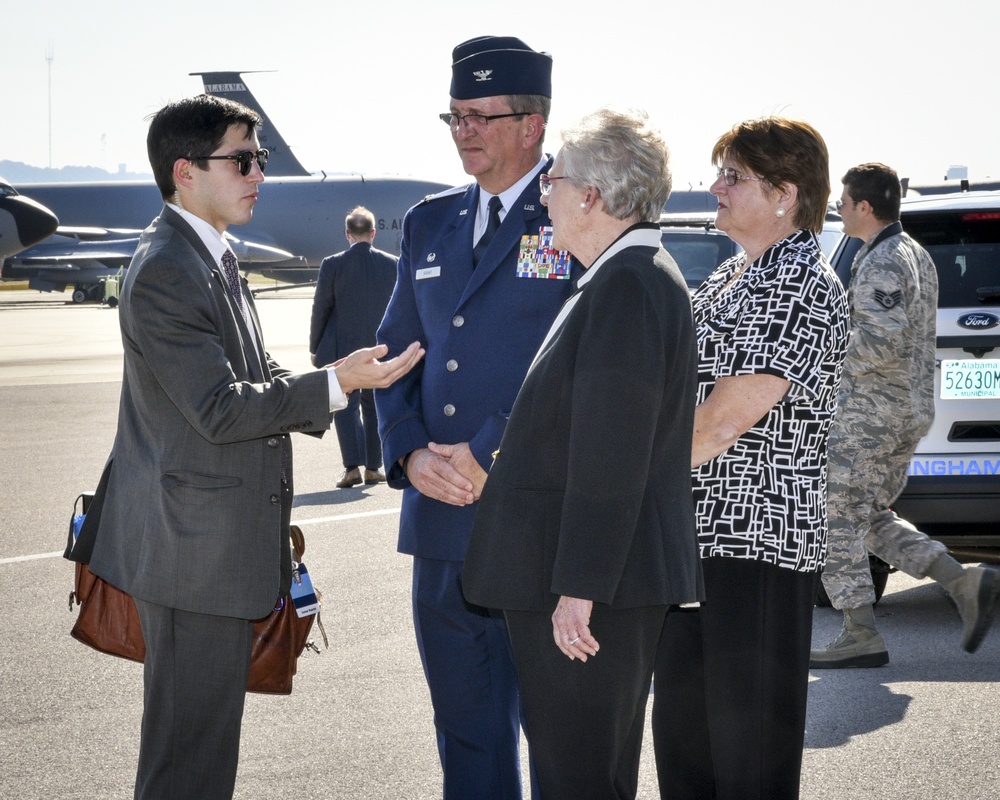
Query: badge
[428, 272]
[888, 299]
[538, 259]
[303, 594]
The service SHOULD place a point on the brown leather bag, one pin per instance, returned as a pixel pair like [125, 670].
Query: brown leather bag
[108, 622]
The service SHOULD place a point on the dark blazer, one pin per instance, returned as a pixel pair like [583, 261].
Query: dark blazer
[590, 495]
[192, 516]
[352, 292]
[480, 326]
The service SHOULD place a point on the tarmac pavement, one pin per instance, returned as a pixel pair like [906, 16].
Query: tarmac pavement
[358, 723]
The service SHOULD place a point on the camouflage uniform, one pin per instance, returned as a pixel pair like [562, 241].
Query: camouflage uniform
[885, 405]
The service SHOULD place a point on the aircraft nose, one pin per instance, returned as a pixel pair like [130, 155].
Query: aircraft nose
[32, 221]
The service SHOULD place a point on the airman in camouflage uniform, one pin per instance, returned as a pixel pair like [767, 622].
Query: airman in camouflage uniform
[885, 406]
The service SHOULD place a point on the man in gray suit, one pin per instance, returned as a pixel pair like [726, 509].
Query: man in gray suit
[352, 292]
[194, 507]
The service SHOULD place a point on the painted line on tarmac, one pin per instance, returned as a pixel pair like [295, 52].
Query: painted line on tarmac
[316, 521]
[343, 517]
[35, 557]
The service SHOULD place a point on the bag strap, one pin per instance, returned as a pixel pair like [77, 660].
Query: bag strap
[298, 543]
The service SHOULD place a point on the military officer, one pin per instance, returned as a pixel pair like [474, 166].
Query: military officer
[478, 284]
[885, 405]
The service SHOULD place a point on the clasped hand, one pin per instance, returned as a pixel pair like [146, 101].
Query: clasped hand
[447, 472]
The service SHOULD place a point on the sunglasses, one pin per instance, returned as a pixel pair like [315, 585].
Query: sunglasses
[243, 160]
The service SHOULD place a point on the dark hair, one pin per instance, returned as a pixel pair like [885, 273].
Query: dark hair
[194, 126]
[879, 185]
[782, 150]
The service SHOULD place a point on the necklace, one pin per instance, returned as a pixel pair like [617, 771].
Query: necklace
[736, 275]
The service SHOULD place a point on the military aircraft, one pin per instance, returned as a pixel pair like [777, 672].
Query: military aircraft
[23, 222]
[298, 221]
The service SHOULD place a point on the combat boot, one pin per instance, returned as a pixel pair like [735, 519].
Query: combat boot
[975, 594]
[859, 644]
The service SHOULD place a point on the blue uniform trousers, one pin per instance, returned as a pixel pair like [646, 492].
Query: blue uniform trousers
[470, 672]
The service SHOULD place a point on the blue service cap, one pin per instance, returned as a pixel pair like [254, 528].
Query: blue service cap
[498, 65]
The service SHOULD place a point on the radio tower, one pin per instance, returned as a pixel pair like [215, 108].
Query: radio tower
[48, 58]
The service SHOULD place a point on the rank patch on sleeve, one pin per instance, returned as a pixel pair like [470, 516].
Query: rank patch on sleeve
[888, 299]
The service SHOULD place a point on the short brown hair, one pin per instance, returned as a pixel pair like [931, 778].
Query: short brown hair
[782, 150]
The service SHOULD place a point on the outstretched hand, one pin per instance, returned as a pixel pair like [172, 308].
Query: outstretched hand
[363, 370]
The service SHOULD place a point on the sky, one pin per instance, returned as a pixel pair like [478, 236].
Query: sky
[357, 87]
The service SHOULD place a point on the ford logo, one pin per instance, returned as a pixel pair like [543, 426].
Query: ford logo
[979, 321]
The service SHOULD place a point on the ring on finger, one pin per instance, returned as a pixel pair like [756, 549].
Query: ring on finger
[573, 641]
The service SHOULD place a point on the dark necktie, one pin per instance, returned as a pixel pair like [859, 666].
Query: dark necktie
[492, 223]
[231, 268]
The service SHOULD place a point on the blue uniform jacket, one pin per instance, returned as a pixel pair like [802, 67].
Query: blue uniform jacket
[481, 329]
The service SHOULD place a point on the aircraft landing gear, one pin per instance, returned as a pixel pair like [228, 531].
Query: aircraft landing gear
[88, 292]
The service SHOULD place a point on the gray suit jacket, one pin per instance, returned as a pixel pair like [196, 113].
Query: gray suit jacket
[192, 514]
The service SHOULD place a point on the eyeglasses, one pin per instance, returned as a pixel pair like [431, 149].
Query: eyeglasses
[731, 176]
[840, 203]
[476, 121]
[545, 183]
[243, 160]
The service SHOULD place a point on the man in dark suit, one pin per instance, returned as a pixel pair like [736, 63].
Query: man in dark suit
[353, 290]
[479, 288]
[194, 518]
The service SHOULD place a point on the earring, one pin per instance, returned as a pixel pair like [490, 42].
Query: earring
[583, 205]
[780, 212]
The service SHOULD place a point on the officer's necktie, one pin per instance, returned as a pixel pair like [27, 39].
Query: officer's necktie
[492, 223]
[231, 268]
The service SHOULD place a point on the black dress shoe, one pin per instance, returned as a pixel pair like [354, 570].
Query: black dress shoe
[351, 477]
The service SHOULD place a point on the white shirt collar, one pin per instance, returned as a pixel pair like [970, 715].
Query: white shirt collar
[639, 237]
[214, 241]
[507, 197]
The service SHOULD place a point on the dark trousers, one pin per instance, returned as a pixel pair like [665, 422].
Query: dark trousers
[730, 685]
[470, 673]
[194, 686]
[357, 431]
[585, 720]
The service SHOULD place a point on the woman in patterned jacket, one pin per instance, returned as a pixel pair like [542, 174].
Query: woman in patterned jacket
[772, 325]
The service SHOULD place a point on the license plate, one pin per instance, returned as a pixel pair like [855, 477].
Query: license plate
[968, 379]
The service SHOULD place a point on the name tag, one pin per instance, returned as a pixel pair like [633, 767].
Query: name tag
[428, 272]
[303, 595]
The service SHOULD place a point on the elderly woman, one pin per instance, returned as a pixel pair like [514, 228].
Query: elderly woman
[585, 531]
[772, 325]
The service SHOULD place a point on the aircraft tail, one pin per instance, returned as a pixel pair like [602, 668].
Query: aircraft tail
[231, 86]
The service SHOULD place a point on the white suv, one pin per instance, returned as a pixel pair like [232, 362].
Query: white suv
[953, 490]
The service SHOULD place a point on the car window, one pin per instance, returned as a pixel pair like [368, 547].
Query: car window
[697, 253]
[965, 247]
